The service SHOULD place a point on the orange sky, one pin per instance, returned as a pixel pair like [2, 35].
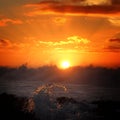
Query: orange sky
[40, 32]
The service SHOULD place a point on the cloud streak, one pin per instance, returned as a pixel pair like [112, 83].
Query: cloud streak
[8, 45]
[4, 43]
[54, 7]
[116, 2]
[113, 45]
[115, 40]
[71, 44]
[114, 21]
[6, 21]
[71, 41]
[114, 48]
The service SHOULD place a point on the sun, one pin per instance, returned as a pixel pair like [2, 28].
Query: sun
[65, 64]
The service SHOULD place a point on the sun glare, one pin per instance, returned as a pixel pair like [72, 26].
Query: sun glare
[65, 64]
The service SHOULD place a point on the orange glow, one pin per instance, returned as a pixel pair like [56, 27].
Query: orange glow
[51, 32]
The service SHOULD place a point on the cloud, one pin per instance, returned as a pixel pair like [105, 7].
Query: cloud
[87, 7]
[6, 21]
[97, 2]
[8, 45]
[4, 43]
[77, 39]
[59, 20]
[70, 41]
[114, 21]
[114, 48]
[116, 2]
[74, 42]
[115, 40]
[113, 45]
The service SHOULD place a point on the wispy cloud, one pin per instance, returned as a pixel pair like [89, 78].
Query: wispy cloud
[115, 40]
[8, 45]
[6, 21]
[88, 7]
[70, 41]
[59, 20]
[78, 39]
[4, 43]
[96, 2]
[113, 45]
[114, 48]
[72, 44]
[115, 2]
[114, 21]
[74, 41]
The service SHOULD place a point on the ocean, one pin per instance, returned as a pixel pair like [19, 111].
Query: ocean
[78, 91]
[64, 95]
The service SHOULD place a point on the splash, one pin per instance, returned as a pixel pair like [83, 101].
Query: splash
[47, 103]
[49, 88]
[44, 96]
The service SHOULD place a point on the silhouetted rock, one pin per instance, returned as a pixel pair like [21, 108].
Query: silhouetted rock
[107, 110]
[65, 100]
[11, 108]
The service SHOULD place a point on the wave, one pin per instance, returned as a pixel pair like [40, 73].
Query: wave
[47, 104]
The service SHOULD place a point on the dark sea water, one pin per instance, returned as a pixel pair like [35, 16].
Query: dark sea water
[57, 101]
[77, 91]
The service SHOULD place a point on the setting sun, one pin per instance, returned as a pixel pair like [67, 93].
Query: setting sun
[65, 64]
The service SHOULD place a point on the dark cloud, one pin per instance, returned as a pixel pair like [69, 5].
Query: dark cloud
[116, 2]
[115, 40]
[77, 0]
[7, 44]
[6, 21]
[114, 48]
[113, 45]
[4, 43]
[47, 7]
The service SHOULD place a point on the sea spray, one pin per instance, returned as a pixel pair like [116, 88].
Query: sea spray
[48, 104]
[43, 102]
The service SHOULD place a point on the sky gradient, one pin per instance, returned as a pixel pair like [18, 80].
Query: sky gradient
[40, 32]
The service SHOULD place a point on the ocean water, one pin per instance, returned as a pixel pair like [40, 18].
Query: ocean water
[58, 101]
[78, 91]
[65, 95]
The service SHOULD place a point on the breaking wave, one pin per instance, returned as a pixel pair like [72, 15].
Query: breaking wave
[46, 103]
